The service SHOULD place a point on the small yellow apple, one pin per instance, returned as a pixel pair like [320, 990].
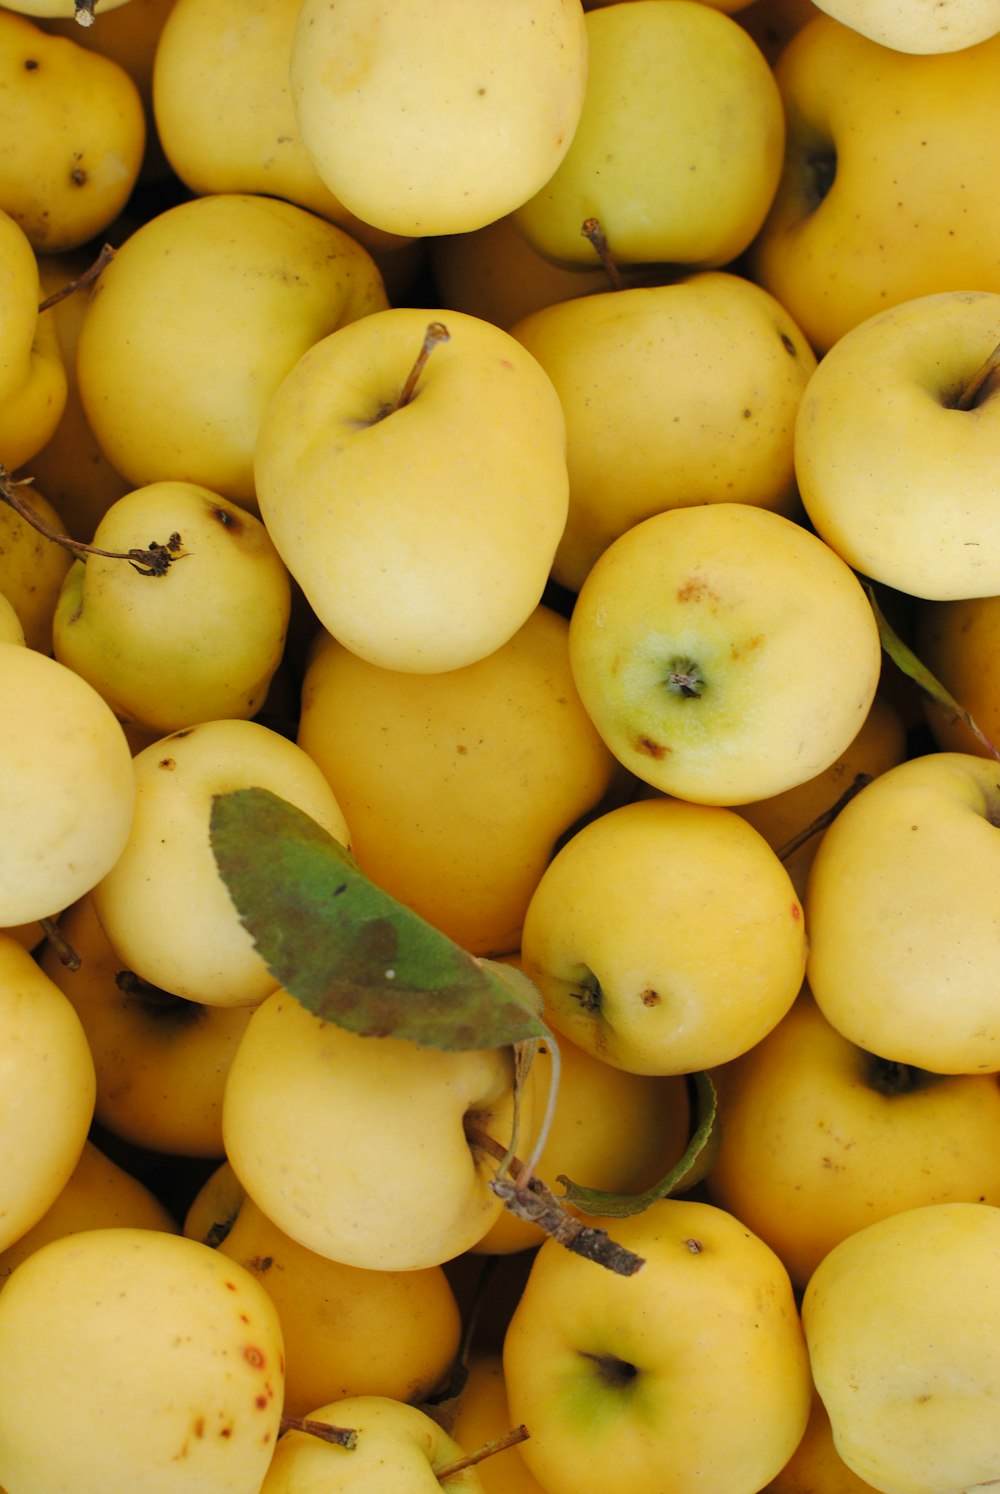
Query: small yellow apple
[959, 641]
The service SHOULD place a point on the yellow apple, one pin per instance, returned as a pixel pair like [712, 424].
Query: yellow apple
[161, 1061]
[820, 1138]
[399, 1450]
[902, 1320]
[11, 630]
[32, 568]
[919, 25]
[80, 129]
[30, 417]
[67, 791]
[162, 1357]
[201, 641]
[656, 157]
[674, 395]
[437, 116]
[480, 1416]
[815, 1466]
[47, 1089]
[901, 912]
[894, 472]
[887, 191]
[959, 641]
[356, 1146]
[457, 785]
[665, 937]
[690, 1377]
[724, 652]
[460, 478]
[163, 904]
[347, 1331]
[202, 312]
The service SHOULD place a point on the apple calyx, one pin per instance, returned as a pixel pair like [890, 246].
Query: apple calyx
[488, 1450]
[154, 560]
[324, 1430]
[889, 1077]
[84, 12]
[684, 678]
[592, 231]
[105, 255]
[820, 172]
[613, 1373]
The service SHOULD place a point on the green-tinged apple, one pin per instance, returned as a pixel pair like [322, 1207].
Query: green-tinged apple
[657, 158]
[887, 191]
[411, 470]
[201, 313]
[67, 791]
[959, 641]
[925, 26]
[163, 1358]
[820, 1138]
[161, 1060]
[357, 1146]
[437, 116]
[456, 785]
[47, 1089]
[902, 1321]
[674, 395]
[199, 642]
[400, 1450]
[347, 1331]
[98, 1194]
[901, 910]
[724, 652]
[165, 908]
[665, 937]
[690, 1377]
[897, 443]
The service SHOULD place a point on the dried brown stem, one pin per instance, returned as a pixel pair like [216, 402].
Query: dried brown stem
[63, 948]
[90, 274]
[858, 782]
[324, 1430]
[436, 332]
[973, 392]
[595, 235]
[488, 1449]
[155, 560]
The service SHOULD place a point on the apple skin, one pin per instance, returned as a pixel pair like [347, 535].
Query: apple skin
[690, 1377]
[481, 1415]
[820, 1138]
[959, 641]
[902, 1320]
[902, 957]
[464, 488]
[667, 78]
[32, 568]
[696, 642]
[925, 27]
[893, 474]
[887, 191]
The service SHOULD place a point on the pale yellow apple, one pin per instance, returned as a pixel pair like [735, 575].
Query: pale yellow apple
[657, 157]
[164, 905]
[901, 913]
[480, 1416]
[161, 1061]
[462, 484]
[78, 121]
[98, 1194]
[959, 641]
[356, 1146]
[47, 1090]
[457, 785]
[201, 641]
[11, 630]
[160, 1359]
[724, 652]
[665, 937]
[887, 191]
[19, 297]
[442, 115]
[399, 1450]
[929, 26]
[815, 1466]
[690, 1377]
[67, 791]
[202, 312]
[894, 473]
[902, 1321]
[820, 1138]
[223, 107]
[347, 1331]
[674, 395]
[29, 417]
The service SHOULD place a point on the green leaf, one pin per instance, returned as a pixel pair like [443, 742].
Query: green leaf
[346, 949]
[907, 662]
[692, 1167]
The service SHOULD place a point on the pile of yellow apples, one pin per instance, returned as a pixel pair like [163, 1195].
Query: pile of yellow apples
[499, 772]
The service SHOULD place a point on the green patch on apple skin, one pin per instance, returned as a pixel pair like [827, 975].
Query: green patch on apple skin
[600, 1392]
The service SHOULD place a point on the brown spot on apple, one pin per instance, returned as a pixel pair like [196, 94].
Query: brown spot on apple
[695, 589]
[649, 748]
[649, 997]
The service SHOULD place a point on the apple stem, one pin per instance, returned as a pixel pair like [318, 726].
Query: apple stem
[972, 394]
[152, 561]
[324, 1430]
[498, 1444]
[858, 782]
[436, 332]
[105, 255]
[595, 235]
[63, 948]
